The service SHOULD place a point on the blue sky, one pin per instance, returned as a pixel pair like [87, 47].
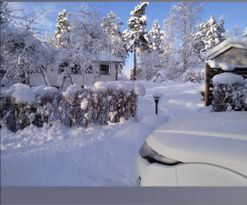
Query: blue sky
[235, 13]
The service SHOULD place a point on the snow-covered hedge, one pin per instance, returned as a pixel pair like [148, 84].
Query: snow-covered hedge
[229, 92]
[21, 105]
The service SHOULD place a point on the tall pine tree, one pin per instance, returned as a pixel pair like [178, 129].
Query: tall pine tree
[136, 36]
[156, 35]
[111, 24]
[210, 34]
[151, 59]
[62, 27]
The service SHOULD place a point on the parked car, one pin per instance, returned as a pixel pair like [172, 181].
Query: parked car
[208, 149]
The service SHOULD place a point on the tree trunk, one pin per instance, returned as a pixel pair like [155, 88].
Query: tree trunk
[43, 75]
[116, 68]
[135, 58]
[134, 71]
[206, 95]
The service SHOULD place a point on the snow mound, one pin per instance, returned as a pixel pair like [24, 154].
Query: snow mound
[21, 93]
[139, 89]
[228, 78]
[101, 85]
[227, 67]
[157, 94]
[72, 90]
[213, 64]
[25, 94]
[123, 85]
[84, 104]
[155, 120]
[224, 66]
[44, 91]
[114, 85]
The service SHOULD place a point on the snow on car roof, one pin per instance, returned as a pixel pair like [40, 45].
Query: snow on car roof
[215, 138]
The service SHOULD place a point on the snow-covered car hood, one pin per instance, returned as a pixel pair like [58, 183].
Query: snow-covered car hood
[215, 138]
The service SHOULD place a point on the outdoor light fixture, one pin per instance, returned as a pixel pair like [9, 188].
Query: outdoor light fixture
[157, 97]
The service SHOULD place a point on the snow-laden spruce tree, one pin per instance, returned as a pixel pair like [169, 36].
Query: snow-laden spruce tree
[21, 52]
[151, 59]
[62, 29]
[112, 24]
[245, 33]
[157, 36]
[150, 63]
[182, 20]
[210, 34]
[136, 36]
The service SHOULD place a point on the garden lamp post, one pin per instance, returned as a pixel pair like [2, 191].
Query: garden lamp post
[156, 97]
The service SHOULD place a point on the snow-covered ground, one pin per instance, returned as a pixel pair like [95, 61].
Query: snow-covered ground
[97, 156]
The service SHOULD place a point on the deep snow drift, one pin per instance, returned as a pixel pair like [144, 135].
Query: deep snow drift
[97, 156]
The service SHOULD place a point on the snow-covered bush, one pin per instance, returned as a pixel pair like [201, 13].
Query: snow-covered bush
[193, 76]
[100, 105]
[22, 106]
[160, 76]
[229, 92]
[228, 79]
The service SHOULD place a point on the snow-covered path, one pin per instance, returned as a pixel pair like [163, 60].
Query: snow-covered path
[98, 156]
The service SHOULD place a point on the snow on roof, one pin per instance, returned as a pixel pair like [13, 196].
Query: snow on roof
[223, 65]
[106, 56]
[102, 56]
[225, 45]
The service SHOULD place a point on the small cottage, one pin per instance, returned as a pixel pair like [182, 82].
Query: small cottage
[106, 68]
[228, 56]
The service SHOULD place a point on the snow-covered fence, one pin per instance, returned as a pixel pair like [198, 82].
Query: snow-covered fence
[229, 92]
[104, 103]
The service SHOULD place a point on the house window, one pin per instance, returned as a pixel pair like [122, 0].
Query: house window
[60, 70]
[2, 73]
[104, 69]
[76, 69]
[89, 69]
[62, 66]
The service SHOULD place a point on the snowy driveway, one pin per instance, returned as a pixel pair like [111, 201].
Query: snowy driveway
[97, 156]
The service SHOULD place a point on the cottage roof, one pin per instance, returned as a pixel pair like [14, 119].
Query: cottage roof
[225, 45]
[103, 56]
[106, 56]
